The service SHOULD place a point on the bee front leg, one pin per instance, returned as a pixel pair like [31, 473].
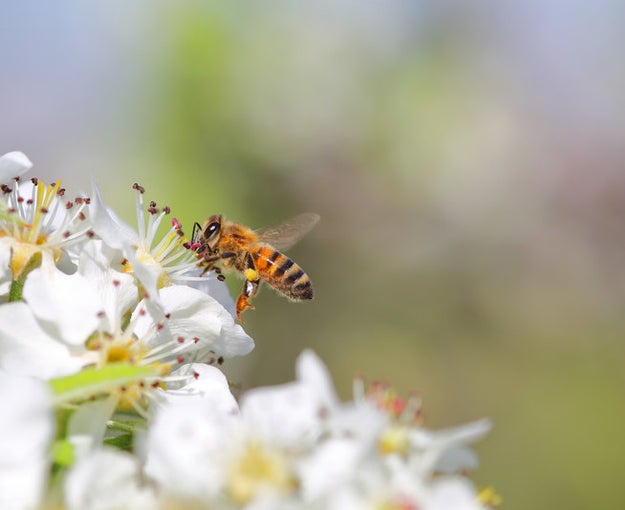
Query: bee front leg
[250, 287]
[209, 261]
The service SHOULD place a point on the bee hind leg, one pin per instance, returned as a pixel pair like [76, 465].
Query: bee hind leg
[250, 288]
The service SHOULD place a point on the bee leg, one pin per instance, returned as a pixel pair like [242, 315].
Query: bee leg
[211, 260]
[250, 287]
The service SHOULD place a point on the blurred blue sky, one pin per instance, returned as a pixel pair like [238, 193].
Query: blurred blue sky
[74, 72]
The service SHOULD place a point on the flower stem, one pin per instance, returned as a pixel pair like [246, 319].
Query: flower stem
[17, 287]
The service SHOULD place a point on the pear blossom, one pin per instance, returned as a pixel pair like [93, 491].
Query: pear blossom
[93, 318]
[155, 264]
[297, 446]
[38, 224]
[249, 455]
[116, 338]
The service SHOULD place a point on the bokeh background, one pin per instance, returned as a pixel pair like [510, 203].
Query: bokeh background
[466, 159]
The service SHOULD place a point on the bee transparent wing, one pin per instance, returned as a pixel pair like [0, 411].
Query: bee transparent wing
[286, 234]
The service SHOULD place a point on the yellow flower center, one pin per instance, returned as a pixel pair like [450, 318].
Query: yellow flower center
[394, 440]
[123, 350]
[259, 469]
[147, 259]
[30, 239]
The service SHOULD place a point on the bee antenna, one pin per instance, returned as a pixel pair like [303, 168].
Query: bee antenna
[196, 229]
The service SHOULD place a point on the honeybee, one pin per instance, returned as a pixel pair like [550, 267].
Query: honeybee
[255, 255]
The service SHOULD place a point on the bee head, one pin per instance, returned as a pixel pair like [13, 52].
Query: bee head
[211, 231]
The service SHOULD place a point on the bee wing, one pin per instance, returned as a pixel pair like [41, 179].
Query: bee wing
[286, 234]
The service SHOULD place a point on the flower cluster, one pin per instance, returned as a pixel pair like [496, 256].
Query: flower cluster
[110, 345]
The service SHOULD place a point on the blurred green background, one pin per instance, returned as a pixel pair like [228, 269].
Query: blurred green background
[467, 162]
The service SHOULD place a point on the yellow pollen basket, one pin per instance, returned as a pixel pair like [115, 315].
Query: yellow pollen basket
[251, 274]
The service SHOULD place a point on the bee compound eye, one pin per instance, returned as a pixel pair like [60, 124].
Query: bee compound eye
[212, 229]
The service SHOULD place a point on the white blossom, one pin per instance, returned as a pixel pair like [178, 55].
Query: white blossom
[155, 263]
[37, 221]
[84, 297]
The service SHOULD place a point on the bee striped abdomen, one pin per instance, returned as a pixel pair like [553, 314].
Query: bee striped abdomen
[282, 273]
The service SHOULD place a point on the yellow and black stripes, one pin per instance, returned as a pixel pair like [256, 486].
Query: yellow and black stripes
[282, 273]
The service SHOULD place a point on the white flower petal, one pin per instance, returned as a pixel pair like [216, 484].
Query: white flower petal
[330, 466]
[67, 306]
[437, 449]
[456, 493]
[6, 276]
[87, 425]
[147, 273]
[26, 430]
[193, 314]
[107, 480]
[285, 416]
[13, 164]
[117, 291]
[25, 348]
[447, 438]
[183, 450]
[457, 460]
[312, 371]
[217, 289]
[107, 225]
[208, 386]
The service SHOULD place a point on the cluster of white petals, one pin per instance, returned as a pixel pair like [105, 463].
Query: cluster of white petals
[110, 346]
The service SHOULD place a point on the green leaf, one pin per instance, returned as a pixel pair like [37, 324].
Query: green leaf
[92, 381]
[123, 441]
